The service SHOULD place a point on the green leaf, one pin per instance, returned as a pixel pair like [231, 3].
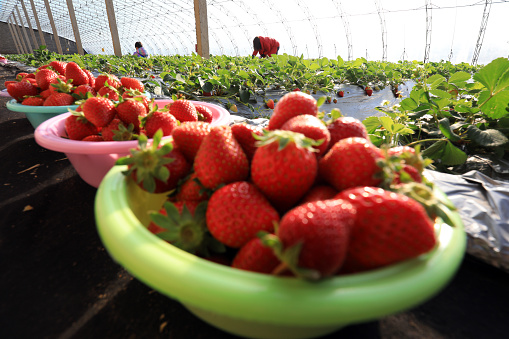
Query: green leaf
[445, 127]
[243, 74]
[244, 95]
[495, 75]
[453, 156]
[320, 101]
[408, 104]
[459, 77]
[387, 123]
[371, 123]
[434, 151]
[495, 107]
[440, 93]
[487, 138]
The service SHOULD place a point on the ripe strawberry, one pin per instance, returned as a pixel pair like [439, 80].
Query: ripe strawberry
[312, 127]
[33, 101]
[315, 237]
[204, 113]
[184, 229]
[284, 167]
[158, 120]
[269, 104]
[409, 156]
[45, 94]
[319, 192]
[115, 131]
[131, 111]
[227, 210]
[21, 76]
[78, 127]
[21, 89]
[341, 94]
[296, 89]
[59, 99]
[112, 80]
[389, 228]
[254, 256]
[156, 168]
[345, 127]
[335, 100]
[59, 85]
[406, 174]
[44, 78]
[368, 90]
[220, 159]
[99, 111]
[189, 136]
[351, 162]
[328, 99]
[59, 66]
[243, 133]
[192, 190]
[91, 78]
[81, 92]
[109, 92]
[290, 105]
[132, 83]
[8, 82]
[79, 76]
[94, 138]
[183, 110]
[190, 205]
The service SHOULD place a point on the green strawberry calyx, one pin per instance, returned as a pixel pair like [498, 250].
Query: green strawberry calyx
[284, 138]
[148, 161]
[187, 231]
[289, 257]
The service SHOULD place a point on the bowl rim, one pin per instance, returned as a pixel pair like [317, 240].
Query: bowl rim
[48, 135]
[15, 106]
[264, 298]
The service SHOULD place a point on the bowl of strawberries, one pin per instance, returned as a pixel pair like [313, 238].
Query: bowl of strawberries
[269, 233]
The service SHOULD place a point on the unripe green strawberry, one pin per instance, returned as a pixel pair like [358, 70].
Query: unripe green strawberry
[220, 159]
[389, 228]
[351, 162]
[284, 167]
[228, 211]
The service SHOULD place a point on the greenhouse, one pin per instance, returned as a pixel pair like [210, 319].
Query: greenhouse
[254, 169]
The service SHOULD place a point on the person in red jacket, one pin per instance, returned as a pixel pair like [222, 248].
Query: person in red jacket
[265, 46]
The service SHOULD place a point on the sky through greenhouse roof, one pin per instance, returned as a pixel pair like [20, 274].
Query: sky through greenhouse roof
[389, 30]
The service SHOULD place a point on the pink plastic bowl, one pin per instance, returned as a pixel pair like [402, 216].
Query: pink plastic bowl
[92, 160]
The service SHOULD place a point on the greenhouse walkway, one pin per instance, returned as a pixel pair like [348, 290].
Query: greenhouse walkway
[58, 281]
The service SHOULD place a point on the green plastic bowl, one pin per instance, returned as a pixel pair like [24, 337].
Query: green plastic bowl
[38, 114]
[257, 305]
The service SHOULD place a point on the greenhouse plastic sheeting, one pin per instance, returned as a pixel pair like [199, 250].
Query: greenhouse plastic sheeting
[483, 204]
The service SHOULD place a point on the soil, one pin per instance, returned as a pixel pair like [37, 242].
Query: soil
[58, 281]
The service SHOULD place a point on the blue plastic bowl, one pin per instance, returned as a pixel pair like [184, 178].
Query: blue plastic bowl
[38, 114]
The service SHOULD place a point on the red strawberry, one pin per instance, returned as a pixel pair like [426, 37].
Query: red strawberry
[112, 80]
[296, 89]
[116, 130]
[59, 85]
[21, 76]
[269, 104]
[389, 228]
[190, 205]
[44, 78]
[341, 94]
[185, 229]
[59, 66]
[130, 111]
[284, 167]
[407, 174]
[45, 94]
[82, 91]
[94, 138]
[109, 92]
[204, 113]
[156, 120]
[243, 133]
[79, 76]
[345, 127]
[192, 190]
[220, 159]
[132, 83]
[99, 111]
[189, 136]
[78, 127]
[315, 237]
[21, 89]
[183, 110]
[368, 90]
[8, 82]
[311, 127]
[155, 168]
[91, 78]
[33, 101]
[409, 156]
[227, 210]
[59, 99]
[335, 101]
[254, 256]
[290, 105]
[319, 192]
[351, 162]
